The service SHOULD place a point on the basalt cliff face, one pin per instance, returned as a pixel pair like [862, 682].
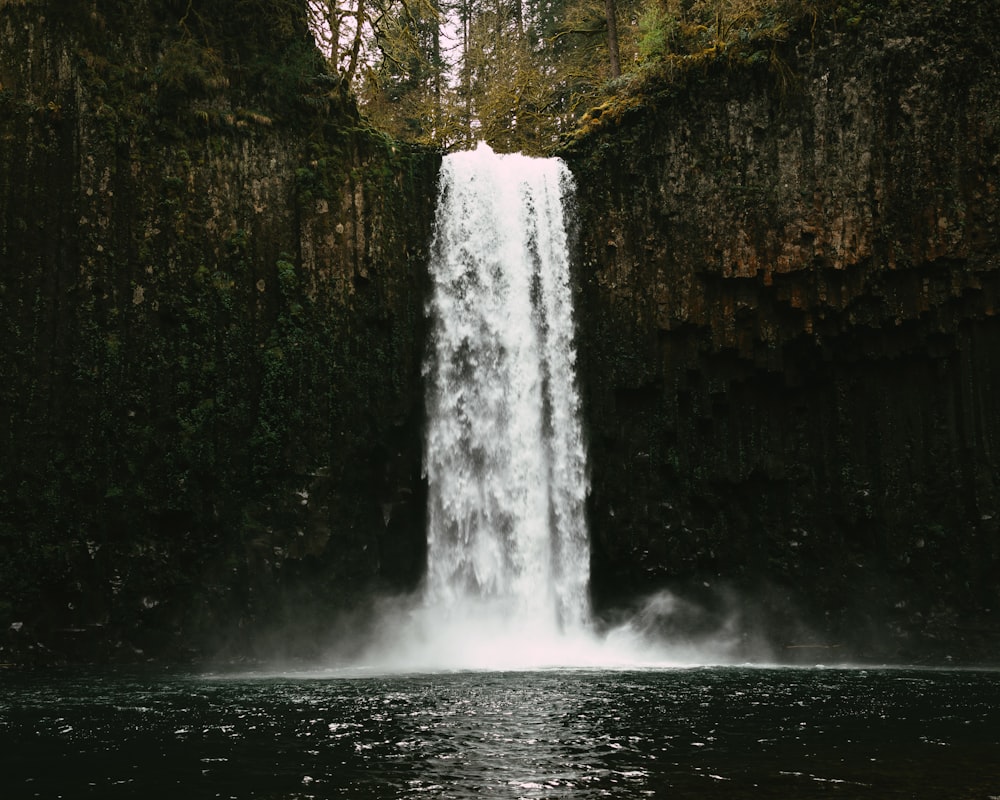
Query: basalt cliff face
[212, 280]
[790, 346]
[211, 327]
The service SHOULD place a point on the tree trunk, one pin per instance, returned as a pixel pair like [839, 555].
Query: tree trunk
[360, 20]
[616, 67]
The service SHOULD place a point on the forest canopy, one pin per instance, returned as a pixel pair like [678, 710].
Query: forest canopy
[520, 74]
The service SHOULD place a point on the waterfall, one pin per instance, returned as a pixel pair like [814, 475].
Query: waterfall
[508, 551]
[504, 455]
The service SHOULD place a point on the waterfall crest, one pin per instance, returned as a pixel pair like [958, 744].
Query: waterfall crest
[504, 455]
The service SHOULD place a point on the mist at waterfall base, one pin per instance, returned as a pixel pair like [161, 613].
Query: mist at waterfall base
[406, 634]
[508, 562]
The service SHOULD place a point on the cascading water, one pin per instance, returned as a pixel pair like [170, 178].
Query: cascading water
[504, 458]
[508, 549]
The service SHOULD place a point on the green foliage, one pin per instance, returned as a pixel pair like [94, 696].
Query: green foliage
[522, 75]
[678, 37]
[187, 69]
[672, 30]
[288, 280]
[659, 30]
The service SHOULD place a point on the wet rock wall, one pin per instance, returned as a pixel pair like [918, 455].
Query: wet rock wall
[211, 328]
[789, 337]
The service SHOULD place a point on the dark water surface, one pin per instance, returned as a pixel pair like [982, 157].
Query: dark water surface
[723, 732]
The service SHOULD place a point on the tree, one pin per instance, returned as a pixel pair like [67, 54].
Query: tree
[611, 16]
[404, 91]
[516, 73]
[355, 34]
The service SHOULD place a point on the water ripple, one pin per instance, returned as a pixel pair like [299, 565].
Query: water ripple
[708, 733]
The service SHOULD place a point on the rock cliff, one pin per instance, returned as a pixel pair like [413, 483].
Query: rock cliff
[790, 346]
[212, 278]
[211, 327]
